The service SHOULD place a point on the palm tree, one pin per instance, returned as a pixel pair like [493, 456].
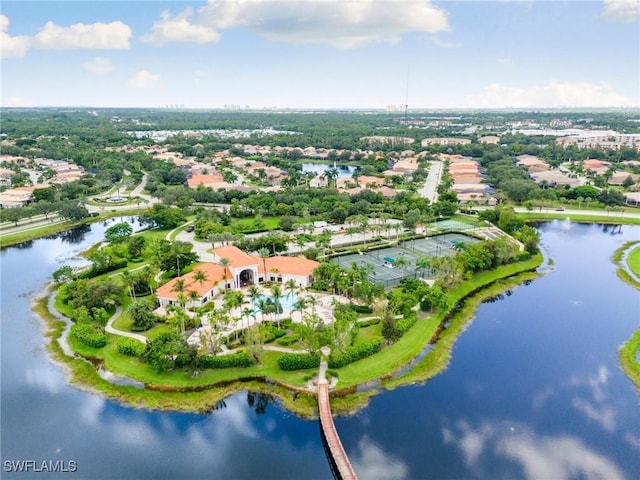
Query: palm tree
[194, 296]
[262, 305]
[276, 295]
[200, 276]
[401, 262]
[128, 281]
[147, 274]
[424, 263]
[254, 293]
[224, 262]
[179, 287]
[248, 313]
[312, 300]
[364, 226]
[291, 287]
[299, 305]
[264, 254]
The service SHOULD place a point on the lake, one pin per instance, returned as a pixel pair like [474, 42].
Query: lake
[533, 391]
[320, 168]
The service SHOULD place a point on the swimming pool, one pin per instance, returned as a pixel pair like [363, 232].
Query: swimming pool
[286, 301]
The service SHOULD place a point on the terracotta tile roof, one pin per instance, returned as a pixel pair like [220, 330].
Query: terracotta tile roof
[289, 265]
[204, 179]
[215, 273]
[236, 257]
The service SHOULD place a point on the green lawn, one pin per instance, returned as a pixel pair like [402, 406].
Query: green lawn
[628, 358]
[613, 218]
[388, 360]
[246, 224]
[633, 260]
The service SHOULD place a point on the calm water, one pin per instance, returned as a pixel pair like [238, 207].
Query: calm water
[533, 391]
[319, 168]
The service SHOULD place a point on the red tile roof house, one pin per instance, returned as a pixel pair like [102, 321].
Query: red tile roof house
[242, 270]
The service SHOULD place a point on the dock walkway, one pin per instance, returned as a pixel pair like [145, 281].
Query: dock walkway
[341, 466]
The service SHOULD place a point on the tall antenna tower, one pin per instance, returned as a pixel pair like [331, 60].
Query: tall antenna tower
[406, 100]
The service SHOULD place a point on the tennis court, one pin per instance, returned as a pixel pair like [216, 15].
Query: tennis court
[430, 247]
[382, 262]
[451, 226]
[438, 245]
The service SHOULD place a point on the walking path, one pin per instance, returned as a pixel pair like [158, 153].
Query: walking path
[110, 329]
[339, 460]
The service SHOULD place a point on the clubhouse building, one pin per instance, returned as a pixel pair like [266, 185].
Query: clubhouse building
[234, 269]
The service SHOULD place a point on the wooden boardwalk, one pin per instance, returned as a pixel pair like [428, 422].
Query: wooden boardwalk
[341, 466]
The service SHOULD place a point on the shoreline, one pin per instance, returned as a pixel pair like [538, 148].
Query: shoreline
[202, 398]
[628, 352]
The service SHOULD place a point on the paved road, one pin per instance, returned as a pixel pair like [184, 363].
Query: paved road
[430, 189]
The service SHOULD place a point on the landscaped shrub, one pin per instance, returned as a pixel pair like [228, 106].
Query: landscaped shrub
[286, 341]
[240, 359]
[361, 308]
[354, 353]
[404, 324]
[114, 265]
[130, 347]
[88, 335]
[298, 361]
[370, 322]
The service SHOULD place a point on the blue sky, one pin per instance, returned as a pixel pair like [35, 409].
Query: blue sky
[321, 53]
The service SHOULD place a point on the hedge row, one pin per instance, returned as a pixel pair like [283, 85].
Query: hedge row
[354, 353]
[286, 341]
[114, 265]
[298, 361]
[88, 335]
[130, 347]
[404, 324]
[370, 322]
[240, 359]
[361, 308]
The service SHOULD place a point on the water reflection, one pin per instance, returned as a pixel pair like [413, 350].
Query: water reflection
[536, 456]
[74, 236]
[371, 462]
[259, 401]
[533, 390]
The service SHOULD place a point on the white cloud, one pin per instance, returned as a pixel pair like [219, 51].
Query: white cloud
[17, 101]
[371, 462]
[558, 457]
[12, 47]
[604, 415]
[105, 36]
[553, 94]
[505, 62]
[180, 29]
[334, 22]
[144, 79]
[199, 75]
[621, 10]
[99, 66]
[444, 44]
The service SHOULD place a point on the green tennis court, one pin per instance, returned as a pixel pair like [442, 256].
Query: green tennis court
[451, 226]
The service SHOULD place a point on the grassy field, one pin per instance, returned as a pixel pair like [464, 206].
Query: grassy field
[246, 224]
[633, 260]
[628, 352]
[613, 218]
[627, 356]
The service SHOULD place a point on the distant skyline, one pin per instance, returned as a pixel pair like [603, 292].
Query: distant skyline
[321, 54]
